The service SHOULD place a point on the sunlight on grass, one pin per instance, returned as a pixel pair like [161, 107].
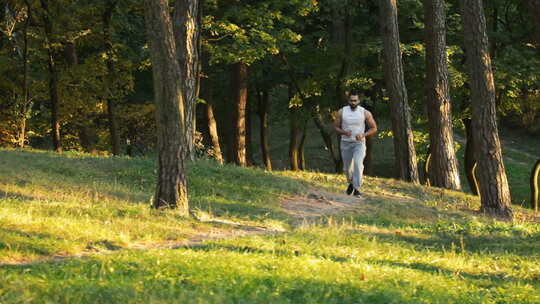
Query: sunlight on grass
[404, 244]
[79, 203]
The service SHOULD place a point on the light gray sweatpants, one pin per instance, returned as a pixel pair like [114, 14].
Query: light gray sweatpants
[353, 153]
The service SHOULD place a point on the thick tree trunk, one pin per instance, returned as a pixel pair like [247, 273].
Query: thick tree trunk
[264, 107]
[293, 138]
[171, 189]
[405, 152]
[443, 169]
[239, 116]
[494, 191]
[111, 102]
[187, 15]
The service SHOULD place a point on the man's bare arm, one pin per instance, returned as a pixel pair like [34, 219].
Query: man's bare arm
[337, 125]
[372, 126]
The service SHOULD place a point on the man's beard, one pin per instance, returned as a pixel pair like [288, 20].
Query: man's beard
[353, 106]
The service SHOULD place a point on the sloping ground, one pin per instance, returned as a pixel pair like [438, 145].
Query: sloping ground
[383, 248]
[303, 209]
[282, 237]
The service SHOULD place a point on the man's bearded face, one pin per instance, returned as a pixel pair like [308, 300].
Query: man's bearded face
[354, 101]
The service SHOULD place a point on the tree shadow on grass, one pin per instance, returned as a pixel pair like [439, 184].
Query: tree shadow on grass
[487, 245]
[26, 242]
[495, 278]
[7, 195]
[97, 281]
[208, 247]
[241, 210]
[242, 192]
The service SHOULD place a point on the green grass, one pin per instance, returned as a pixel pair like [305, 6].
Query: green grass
[518, 169]
[405, 244]
[349, 262]
[64, 204]
[520, 153]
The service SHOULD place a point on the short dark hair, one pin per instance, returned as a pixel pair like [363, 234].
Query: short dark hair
[353, 92]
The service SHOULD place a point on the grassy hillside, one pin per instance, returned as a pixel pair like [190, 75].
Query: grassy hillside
[400, 244]
[520, 153]
[63, 204]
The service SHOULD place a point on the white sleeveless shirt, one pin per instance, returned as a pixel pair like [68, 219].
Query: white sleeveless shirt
[354, 121]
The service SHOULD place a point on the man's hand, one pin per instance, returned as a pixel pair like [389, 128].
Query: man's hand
[360, 136]
[347, 133]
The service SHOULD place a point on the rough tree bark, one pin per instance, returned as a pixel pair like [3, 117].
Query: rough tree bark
[494, 191]
[187, 15]
[238, 151]
[171, 189]
[443, 169]
[405, 152]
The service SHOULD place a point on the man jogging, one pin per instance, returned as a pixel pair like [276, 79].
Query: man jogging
[351, 124]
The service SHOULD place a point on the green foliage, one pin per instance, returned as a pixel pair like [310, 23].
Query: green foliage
[287, 44]
[248, 32]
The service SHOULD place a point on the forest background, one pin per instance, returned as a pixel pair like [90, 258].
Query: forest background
[76, 75]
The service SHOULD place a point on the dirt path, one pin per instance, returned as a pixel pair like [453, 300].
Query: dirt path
[319, 203]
